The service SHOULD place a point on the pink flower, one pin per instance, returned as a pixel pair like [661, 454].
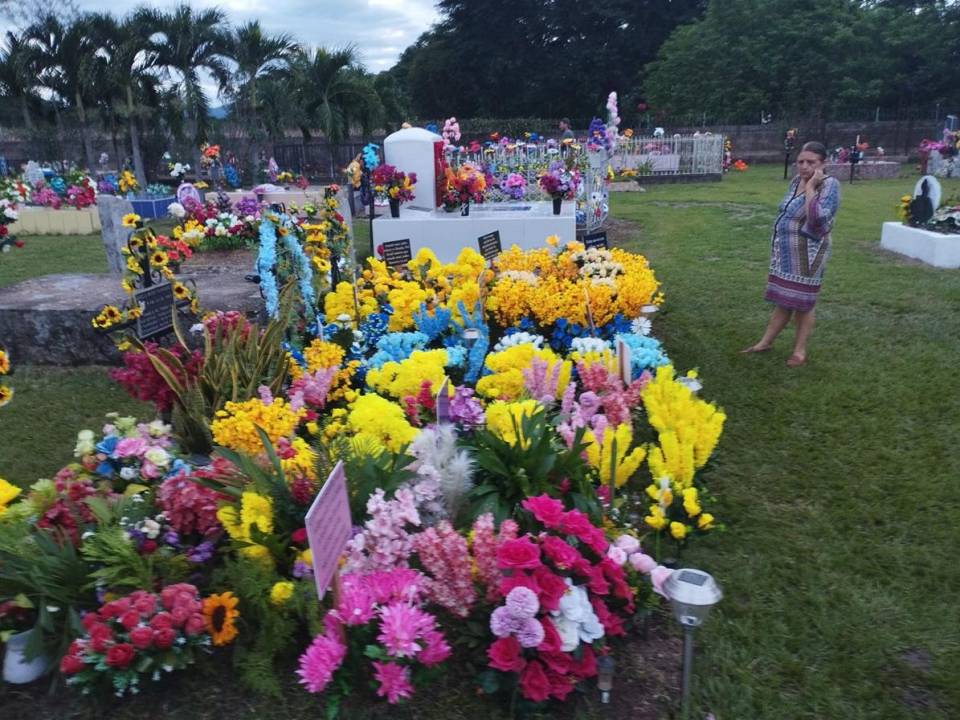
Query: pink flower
[401, 626]
[356, 605]
[131, 447]
[502, 623]
[551, 587]
[504, 654]
[545, 509]
[164, 637]
[130, 619]
[142, 637]
[394, 681]
[320, 661]
[531, 634]
[522, 602]
[575, 523]
[518, 579]
[559, 552]
[145, 603]
[628, 543]
[551, 638]
[617, 555]
[658, 576]
[195, 624]
[436, 649]
[642, 563]
[534, 683]
[519, 554]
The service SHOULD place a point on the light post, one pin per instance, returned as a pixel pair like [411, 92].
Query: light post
[692, 593]
[605, 665]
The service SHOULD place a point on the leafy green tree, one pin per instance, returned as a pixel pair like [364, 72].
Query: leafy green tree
[17, 74]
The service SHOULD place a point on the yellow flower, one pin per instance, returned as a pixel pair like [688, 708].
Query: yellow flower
[158, 258]
[8, 491]
[4, 362]
[133, 265]
[130, 220]
[678, 530]
[281, 592]
[403, 379]
[690, 502]
[705, 521]
[504, 419]
[507, 366]
[374, 418]
[220, 612]
[612, 457]
[552, 240]
[235, 426]
[655, 519]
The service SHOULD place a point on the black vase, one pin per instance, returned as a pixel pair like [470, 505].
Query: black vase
[394, 208]
[465, 208]
[557, 202]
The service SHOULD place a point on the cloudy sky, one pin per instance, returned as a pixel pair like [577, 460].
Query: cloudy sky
[380, 29]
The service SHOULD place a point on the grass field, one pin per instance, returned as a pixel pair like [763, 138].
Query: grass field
[838, 481]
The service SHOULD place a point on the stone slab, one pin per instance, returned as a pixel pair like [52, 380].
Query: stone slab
[937, 249]
[65, 221]
[46, 320]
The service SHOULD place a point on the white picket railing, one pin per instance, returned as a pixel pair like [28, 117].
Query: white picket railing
[670, 155]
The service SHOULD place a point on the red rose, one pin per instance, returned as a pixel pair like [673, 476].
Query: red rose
[518, 579]
[130, 619]
[551, 638]
[161, 621]
[148, 548]
[534, 683]
[120, 655]
[90, 620]
[612, 624]
[145, 603]
[557, 662]
[141, 637]
[560, 685]
[575, 523]
[71, 665]
[179, 615]
[519, 554]
[100, 638]
[18, 243]
[195, 624]
[598, 584]
[504, 655]
[163, 638]
[114, 608]
[545, 509]
[552, 587]
[586, 666]
[299, 537]
[559, 552]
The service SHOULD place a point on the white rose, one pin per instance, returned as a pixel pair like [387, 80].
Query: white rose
[158, 428]
[151, 528]
[128, 473]
[157, 456]
[177, 210]
[569, 633]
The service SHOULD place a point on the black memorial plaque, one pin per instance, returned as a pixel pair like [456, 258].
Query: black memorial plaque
[596, 240]
[156, 310]
[490, 245]
[397, 252]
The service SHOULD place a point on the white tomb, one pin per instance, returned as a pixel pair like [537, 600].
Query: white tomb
[526, 224]
[937, 249]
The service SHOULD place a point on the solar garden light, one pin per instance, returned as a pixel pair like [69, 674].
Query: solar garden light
[605, 667]
[692, 594]
[470, 336]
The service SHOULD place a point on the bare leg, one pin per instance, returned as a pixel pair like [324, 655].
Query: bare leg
[778, 321]
[805, 322]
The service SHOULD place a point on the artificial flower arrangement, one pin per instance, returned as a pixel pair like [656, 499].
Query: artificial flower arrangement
[6, 392]
[127, 183]
[392, 183]
[82, 195]
[464, 185]
[209, 154]
[558, 182]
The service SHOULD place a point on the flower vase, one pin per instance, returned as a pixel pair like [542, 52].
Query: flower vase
[394, 207]
[557, 202]
[465, 208]
[451, 208]
[16, 668]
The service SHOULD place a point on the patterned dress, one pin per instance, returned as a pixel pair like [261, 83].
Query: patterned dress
[800, 246]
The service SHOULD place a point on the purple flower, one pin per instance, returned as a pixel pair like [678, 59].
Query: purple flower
[465, 410]
[301, 569]
[531, 634]
[171, 538]
[201, 553]
[522, 602]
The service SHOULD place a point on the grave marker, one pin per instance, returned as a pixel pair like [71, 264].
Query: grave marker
[624, 363]
[329, 528]
[489, 245]
[596, 240]
[111, 210]
[397, 252]
[156, 310]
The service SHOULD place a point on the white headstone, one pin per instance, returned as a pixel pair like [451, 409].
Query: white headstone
[412, 150]
[33, 173]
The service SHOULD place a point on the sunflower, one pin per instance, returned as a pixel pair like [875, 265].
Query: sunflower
[4, 362]
[101, 322]
[135, 242]
[180, 291]
[159, 258]
[130, 220]
[6, 394]
[219, 611]
[111, 313]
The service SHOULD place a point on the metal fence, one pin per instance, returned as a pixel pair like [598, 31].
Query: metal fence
[670, 155]
[318, 159]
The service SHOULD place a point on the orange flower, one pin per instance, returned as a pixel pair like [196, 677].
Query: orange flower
[220, 611]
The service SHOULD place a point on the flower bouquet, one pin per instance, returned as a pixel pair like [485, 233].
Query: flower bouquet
[128, 183]
[558, 183]
[394, 184]
[464, 186]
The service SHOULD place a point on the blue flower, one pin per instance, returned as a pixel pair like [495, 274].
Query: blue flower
[456, 356]
[396, 347]
[432, 325]
[371, 155]
[107, 445]
[645, 352]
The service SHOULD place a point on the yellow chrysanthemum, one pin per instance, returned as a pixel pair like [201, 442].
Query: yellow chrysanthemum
[4, 362]
[504, 419]
[380, 420]
[8, 492]
[612, 458]
[235, 426]
[281, 592]
[404, 378]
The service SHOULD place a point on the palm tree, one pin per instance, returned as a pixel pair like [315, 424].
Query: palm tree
[16, 75]
[64, 55]
[259, 57]
[333, 93]
[125, 64]
[191, 42]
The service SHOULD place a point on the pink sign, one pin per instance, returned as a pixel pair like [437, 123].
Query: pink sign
[443, 401]
[329, 528]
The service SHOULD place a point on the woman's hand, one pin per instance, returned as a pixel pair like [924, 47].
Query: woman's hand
[814, 182]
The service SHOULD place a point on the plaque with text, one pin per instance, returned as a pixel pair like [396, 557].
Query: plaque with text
[156, 310]
[489, 245]
[397, 252]
[443, 402]
[596, 240]
[329, 528]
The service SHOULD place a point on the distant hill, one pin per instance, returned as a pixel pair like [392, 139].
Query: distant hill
[219, 112]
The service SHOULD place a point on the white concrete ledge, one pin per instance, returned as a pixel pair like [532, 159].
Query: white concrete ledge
[937, 249]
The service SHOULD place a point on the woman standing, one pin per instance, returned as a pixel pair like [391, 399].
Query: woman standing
[799, 250]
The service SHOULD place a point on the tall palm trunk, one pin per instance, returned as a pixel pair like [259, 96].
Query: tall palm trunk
[254, 129]
[85, 133]
[138, 170]
[25, 109]
[59, 125]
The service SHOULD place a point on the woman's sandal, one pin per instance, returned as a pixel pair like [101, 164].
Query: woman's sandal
[795, 361]
[755, 349]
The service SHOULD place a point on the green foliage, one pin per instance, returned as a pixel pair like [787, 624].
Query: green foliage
[267, 634]
[384, 469]
[507, 473]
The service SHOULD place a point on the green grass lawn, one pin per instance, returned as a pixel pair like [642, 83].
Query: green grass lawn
[838, 481]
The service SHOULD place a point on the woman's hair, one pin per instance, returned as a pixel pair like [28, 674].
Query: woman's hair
[817, 148]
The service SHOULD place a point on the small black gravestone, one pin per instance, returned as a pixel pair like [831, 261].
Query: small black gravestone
[397, 252]
[596, 240]
[921, 207]
[156, 310]
[490, 245]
